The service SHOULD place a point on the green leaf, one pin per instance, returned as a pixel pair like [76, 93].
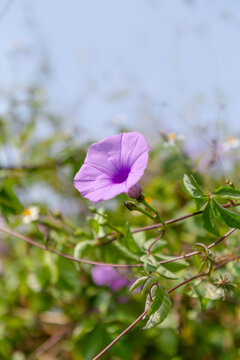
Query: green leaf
[157, 301]
[191, 187]
[128, 240]
[9, 202]
[82, 248]
[161, 270]
[138, 282]
[174, 266]
[161, 313]
[202, 248]
[94, 224]
[209, 221]
[150, 263]
[226, 192]
[157, 246]
[168, 270]
[199, 202]
[68, 277]
[225, 216]
[149, 259]
[209, 291]
[127, 253]
[147, 284]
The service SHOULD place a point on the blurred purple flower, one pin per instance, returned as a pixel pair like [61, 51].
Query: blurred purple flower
[119, 283]
[107, 276]
[112, 166]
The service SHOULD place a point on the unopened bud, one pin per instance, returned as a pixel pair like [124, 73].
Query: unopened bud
[135, 191]
[130, 205]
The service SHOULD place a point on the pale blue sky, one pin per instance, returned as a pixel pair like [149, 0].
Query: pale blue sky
[122, 60]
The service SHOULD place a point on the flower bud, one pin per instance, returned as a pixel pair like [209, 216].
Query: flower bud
[135, 191]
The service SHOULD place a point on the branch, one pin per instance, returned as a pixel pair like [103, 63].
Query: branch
[43, 247]
[169, 291]
[197, 252]
[91, 262]
[158, 225]
[203, 273]
[121, 335]
[155, 241]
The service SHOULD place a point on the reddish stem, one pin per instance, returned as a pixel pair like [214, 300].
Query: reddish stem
[43, 247]
[121, 335]
[158, 225]
[169, 291]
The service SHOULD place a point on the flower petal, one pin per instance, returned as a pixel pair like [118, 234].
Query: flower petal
[112, 166]
[134, 145]
[104, 193]
[105, 155]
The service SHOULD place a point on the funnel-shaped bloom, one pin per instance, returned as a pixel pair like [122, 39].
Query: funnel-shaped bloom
[112, 166]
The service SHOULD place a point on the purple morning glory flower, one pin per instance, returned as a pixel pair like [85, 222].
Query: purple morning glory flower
[107, 276]
[104, 275]
[112, 166]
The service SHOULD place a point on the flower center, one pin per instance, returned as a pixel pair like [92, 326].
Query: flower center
[120, 175]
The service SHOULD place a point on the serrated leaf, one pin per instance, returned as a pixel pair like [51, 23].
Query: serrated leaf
[209, 221]
[225, 216]
[191, 187]
[226, 192]
[161, 313]
[138, 283]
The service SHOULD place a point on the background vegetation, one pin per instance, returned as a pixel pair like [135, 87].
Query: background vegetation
[51, 307]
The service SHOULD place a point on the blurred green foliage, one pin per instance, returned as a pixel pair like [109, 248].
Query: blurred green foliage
[50, 307]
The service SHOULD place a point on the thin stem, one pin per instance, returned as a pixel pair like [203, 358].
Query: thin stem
[155, 241]
[121, 335]
[203, 273]
[168, 222]
[169, 291]
[90, 262]
[139, 209]
[187, 281]
[148, 206]
[43, 247]
[197, 252]
[172, 221]
[113, 228]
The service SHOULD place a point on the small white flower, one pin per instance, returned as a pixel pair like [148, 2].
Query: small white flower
[230, 144]
[30, 214]
[172, 139]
